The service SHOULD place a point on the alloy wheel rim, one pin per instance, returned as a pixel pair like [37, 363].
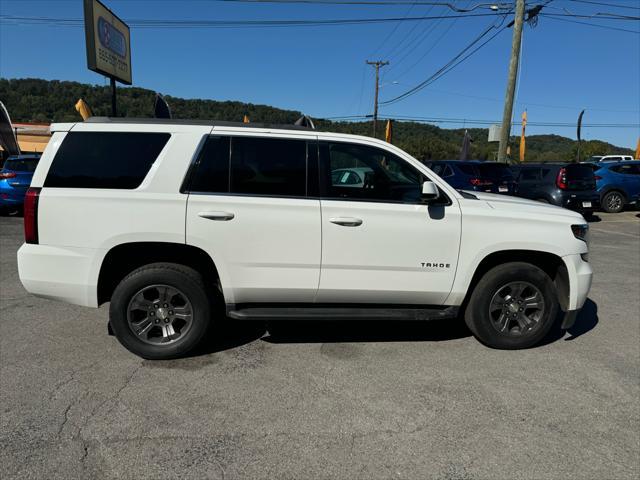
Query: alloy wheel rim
[516, 308]
[614, 201]
[159, 314]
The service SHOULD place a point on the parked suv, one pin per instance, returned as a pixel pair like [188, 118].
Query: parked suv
[15, 178]
[475, 175]
[618, 184]
[178, 224]
[568, 185]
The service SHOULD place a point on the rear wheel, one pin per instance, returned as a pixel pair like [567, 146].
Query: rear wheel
[513, 306]
[160, 311]
[613, 202]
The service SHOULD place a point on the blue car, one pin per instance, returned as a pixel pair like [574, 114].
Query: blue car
[15, 178]
[618, 184]
[475, 175]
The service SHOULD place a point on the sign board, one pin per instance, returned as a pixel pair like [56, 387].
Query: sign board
[494, 133]
[108, 42]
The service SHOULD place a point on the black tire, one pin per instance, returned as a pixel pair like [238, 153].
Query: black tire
[188, 282]
[613, 202]
[478, 317]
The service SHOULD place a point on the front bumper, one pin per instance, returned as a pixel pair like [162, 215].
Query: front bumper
[580, 277]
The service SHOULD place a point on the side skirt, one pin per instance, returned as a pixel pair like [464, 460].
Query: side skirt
[340, 312]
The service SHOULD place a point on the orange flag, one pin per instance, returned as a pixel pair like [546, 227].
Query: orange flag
[523, 142]
[83, 109]
[388, 132]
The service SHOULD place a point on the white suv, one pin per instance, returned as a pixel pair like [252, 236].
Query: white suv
[178, 224]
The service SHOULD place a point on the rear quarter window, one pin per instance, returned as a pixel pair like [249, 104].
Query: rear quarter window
[115, 160]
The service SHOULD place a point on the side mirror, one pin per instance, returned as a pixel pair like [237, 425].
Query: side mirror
[430, 191]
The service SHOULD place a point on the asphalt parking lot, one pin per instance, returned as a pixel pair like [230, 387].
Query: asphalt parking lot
[326, 400]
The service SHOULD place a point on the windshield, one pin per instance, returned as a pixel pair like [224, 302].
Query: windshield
[21, 164]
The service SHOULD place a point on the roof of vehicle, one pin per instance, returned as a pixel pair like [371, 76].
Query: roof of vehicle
[601, 165]
[213, 123]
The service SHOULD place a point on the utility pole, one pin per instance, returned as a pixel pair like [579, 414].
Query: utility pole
[377, 64]
[511, 81]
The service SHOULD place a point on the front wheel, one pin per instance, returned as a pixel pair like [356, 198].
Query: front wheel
[160, 311]
[513, 306]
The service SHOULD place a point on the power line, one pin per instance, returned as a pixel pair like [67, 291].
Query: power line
[608, 27]
[482, 121]
[605, 4]
[454, 62]
[395, 28]
[418, 40]
[145, 23]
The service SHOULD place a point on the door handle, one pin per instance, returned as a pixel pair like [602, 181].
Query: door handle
[346, 221]
[220, 216]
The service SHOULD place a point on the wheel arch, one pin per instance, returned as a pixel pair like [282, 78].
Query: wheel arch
[125, 258]
[550, 263]
[614, 188]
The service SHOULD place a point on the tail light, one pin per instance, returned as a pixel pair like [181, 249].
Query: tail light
[31, 215]
[598, 177]
[5, 175]
[478, 182]
[561, 179]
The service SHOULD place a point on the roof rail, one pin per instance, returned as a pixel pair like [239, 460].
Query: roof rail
[173, 121]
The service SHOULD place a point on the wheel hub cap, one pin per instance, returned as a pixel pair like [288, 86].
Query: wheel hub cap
[516, 308]
[159, 314]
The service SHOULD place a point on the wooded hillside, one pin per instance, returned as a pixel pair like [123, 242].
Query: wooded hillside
[36, 100]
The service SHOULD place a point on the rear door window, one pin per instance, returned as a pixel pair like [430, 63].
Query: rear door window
[115, 160]
[211, 174]
[268, 166]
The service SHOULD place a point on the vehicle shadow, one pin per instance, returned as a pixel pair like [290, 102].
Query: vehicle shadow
[593, 218]
[357, 331]
[230, 334]
[586, 321]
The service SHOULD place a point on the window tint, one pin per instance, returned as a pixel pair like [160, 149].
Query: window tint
[21, 164]
[212, 171]
[382, 175]
[448, 171]
[495, 171]
[579, 172]
[468, 169]
[529, 174]
[105, 159]
[438, 169]
[628, 169]
[268, 166]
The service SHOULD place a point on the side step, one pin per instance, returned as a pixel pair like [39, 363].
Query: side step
[341, 313]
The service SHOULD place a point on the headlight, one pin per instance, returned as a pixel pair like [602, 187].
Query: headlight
[580, 231]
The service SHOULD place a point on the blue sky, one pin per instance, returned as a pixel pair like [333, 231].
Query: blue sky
[321, 71]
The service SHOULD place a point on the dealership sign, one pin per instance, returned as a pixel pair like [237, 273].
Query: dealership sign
[108, 42]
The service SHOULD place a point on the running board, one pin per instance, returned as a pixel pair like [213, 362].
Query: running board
[341, 313]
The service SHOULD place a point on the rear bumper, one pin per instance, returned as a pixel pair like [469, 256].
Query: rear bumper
[68, 274]
[579, 202]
